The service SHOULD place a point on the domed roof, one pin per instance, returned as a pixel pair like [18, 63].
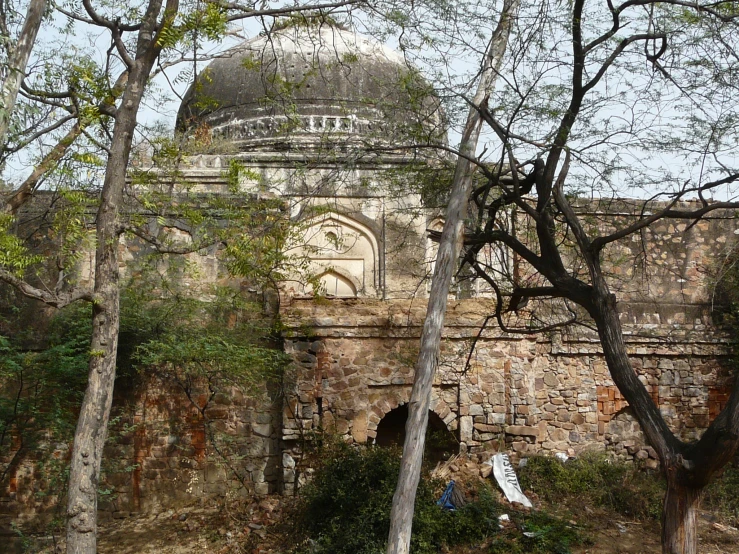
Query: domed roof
[308, 84]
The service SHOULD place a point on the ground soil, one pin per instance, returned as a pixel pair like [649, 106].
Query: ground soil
[250, 529]
[256, 526]
[614, 535]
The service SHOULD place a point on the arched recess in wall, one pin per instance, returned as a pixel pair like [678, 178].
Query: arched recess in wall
[441, 443]
[393, 397]
[334, 284]
[343, 253]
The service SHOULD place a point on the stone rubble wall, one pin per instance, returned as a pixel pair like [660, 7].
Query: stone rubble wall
[160, 455]
[532, 394]
[166, 455]
[353, 366]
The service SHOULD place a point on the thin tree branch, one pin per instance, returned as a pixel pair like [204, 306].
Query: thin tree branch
[57, 300]
[248, 13]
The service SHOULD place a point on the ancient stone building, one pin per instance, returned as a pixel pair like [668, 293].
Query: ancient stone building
[324, 118]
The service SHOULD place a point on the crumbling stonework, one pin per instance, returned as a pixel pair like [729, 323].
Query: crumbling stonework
[529, 393]
[162, 454]
[169, 452]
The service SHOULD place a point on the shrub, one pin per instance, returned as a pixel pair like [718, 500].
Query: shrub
[609, 484]
[346, 507]
[722, 495]
[40, 390]
[543, 534]
[346, 510]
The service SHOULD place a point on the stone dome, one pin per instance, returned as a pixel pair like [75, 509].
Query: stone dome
[306, 85]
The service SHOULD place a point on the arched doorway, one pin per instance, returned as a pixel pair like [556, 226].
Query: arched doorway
[441, 443]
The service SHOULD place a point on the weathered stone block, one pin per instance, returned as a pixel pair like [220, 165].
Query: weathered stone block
[476, 410]
[465, 428]
[522, 430]
[262, 429]
[359, 427]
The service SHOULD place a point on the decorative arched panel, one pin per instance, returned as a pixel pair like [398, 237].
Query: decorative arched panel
[333, 284]
[343, 254]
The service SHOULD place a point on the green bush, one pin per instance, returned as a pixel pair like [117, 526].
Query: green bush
[346, 507]
[346, 510]
[40, 390]
[620, 487]
[542, 534]
[613, 485]
[722, 495]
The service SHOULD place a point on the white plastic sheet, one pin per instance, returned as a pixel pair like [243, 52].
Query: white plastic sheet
[507, 480]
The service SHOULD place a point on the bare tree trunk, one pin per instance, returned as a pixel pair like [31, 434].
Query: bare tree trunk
[401, 515]
[17, 62]
[682, 499]
[654, 427]
[90, 435]
[689, 467]
[679, 523]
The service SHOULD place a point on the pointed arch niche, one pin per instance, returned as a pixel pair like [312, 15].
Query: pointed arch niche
[343, 254]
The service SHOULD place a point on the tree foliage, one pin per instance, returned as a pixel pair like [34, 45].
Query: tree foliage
[42, 389]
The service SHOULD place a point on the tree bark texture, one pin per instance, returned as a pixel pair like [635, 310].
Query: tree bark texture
[679, 518]
[17, 62]
[401, 515]
[91, 429]
[650, 419]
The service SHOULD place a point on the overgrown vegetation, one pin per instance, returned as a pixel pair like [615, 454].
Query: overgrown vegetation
[41, 389]
[187, 333]
[538, 533]
[621, 488]
[345, 509]
[346, 506]
[722, 496]
[616, 486]
[201, 339]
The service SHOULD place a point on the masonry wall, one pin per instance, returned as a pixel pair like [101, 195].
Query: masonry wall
[164, 452]
[353, 365]
[167, 451]
[531, 394]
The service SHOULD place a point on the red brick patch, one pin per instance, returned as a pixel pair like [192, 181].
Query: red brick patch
[717, 399]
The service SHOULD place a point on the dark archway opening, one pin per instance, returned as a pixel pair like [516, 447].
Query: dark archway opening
[441, 443]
